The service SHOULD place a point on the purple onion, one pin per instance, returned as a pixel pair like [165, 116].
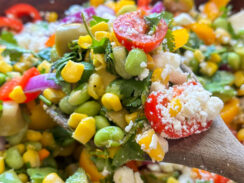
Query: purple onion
[101, 10]
[41, 82]
[158, 7]
[76, 17]
[225, 67]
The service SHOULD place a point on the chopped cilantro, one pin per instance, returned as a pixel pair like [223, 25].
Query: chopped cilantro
[169, 41]
[8, 37]
[226, 11]
[109, 59]
[62, 137]
[97, 20]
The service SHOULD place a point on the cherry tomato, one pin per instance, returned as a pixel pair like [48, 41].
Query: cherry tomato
[27, 75]
[153, 108]
[11, 23]
[7, 87]
[23, 9]
[144, 4]
[131, 31]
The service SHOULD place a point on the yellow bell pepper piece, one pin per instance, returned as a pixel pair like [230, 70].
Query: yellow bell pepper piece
[230, 110]
[181, 37]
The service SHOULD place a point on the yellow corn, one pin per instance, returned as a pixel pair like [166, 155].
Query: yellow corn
[99, 35]
[85, 41]
[52, 178]
[240, 135]
[52, 17]
[98, 61]
[208, 68]
[32, 135]
[86, 163]
[32, 158]
[122, 3]
[85, 130]
[149, 137]
[204, 21]
[53, 95]
[222, 36]
[5, 67]
[102, 26]
[47, 139]
[131, 117]
[21, 66]
[111, 101]
[2, 165]
[95, 86]
[21, 148]
[157, 76]
[215, 57]
[23, 177]
[17, 94]
[172, 180]
[199, 55]
[150, 62]
[240, 92]
[44, 67]
[96, 2]
[175, 107]
[114, 39]
[72, 72]
[230, 110]
[239, 78]
[75, 118]
[112, 151]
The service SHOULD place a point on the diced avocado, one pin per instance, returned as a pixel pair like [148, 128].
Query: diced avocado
[78, 177]
[38, 174]
[9, 177]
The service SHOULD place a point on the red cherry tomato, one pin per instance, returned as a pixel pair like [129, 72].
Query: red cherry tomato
[27, 75]
[154, 106]
[7, 87]
[131, 31]
[11, 23]
[23, 9]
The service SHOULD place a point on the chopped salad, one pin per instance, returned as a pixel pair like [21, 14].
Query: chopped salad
[93, 96]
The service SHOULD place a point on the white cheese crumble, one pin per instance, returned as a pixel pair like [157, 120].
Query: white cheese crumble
[236, 21]
[144, 74]
[183, 19]
[154, 142]
[162, 58]
[129, 126]
[126, 175]
[143, 65]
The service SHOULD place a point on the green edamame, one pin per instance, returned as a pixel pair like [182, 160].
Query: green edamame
[127, 9]
[101, 122]
[240, 52]
[220, 23]
[136, 62]
[2, 78]
[234, 60]
[91, 108]
[65, 106]
[79, 95]
[194, 65]
[13, 158]
[109, 136]
[34, 145]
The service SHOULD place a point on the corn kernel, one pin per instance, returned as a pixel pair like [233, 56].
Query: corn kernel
[239, 78]
[47, 139]
[85, 41]
[53, 95]
[72, 72]
[222, 36]
[114, 39]
[98, 61]
[208, 68]
[52, 178]
[146, 139]
[172, 180]
[215, 57]
[240, 135]
[175, 107]
[131, 117]
[85, 130]
[17, 94]
[199, 55]
[44, 67]
[21, 148]
[95, 86]
[150, 62]
[21, 66]
[120, 4]
[102, 26]
[111, 101]
[96, 2]
[32, 158]
[99, 35]
[51, 17]
[75, 118]
[32, 135]
[2, 165]
[5, 67]
[23, 177]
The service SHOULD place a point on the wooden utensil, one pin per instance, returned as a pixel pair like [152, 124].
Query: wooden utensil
[216, 150]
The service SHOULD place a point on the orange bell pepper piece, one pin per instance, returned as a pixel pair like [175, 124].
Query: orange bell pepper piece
[51, 41]
[43, 154]
[230, 110]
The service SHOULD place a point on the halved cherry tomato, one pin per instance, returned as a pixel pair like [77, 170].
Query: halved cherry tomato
[23, 9]
[153, 110]
[12, 23]
[144, 4]
[131, 31]
[7, 87]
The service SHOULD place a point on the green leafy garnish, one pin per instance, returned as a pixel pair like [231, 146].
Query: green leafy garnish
[45, 54]
[194, 41]
[109, 59]
[8, 37]
[226, 11]
[38, 174]
[169, 41]
[97, 20]
[62, 137]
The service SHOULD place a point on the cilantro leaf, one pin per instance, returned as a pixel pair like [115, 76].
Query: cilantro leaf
[62, 136]
[97, 20]
[169, 41]
[109, 59]
[226, 11]
[99, 46]
[8, 37]
[45, 54]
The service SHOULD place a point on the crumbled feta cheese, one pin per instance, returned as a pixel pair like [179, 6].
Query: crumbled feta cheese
[144, 74]
[156, 86]
[236, 21]
[129, 126]
[184, 19]
[143, 65]
[154, 142]
[162, 58]
[126, 175]
[105, 172]
[214, 105]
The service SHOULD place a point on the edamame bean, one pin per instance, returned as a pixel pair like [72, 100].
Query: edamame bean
[65, 106]
[13, 158]
[109, 136]
[135, 62]
[34, 145]
[194, 64]
[101, 122]
[233, 60]
[126, 9]
[220, 23]
[2, 78]
[79, 95]
[91, 108]
[240, 52]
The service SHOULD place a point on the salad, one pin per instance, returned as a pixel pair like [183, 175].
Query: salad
[93, 97]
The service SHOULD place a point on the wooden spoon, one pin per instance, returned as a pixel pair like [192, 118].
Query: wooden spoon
[215, 150]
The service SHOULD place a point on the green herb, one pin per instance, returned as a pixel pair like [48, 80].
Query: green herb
[97, 20]
[38, 174]
[232, 31]
[45, 54]
[78, 177]
[45, 100]
[109, 59]
[62, 137]
[226, 11]
[8, 37]
[194, 41]
[129, 151]
[223, 78]
[204, 181]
